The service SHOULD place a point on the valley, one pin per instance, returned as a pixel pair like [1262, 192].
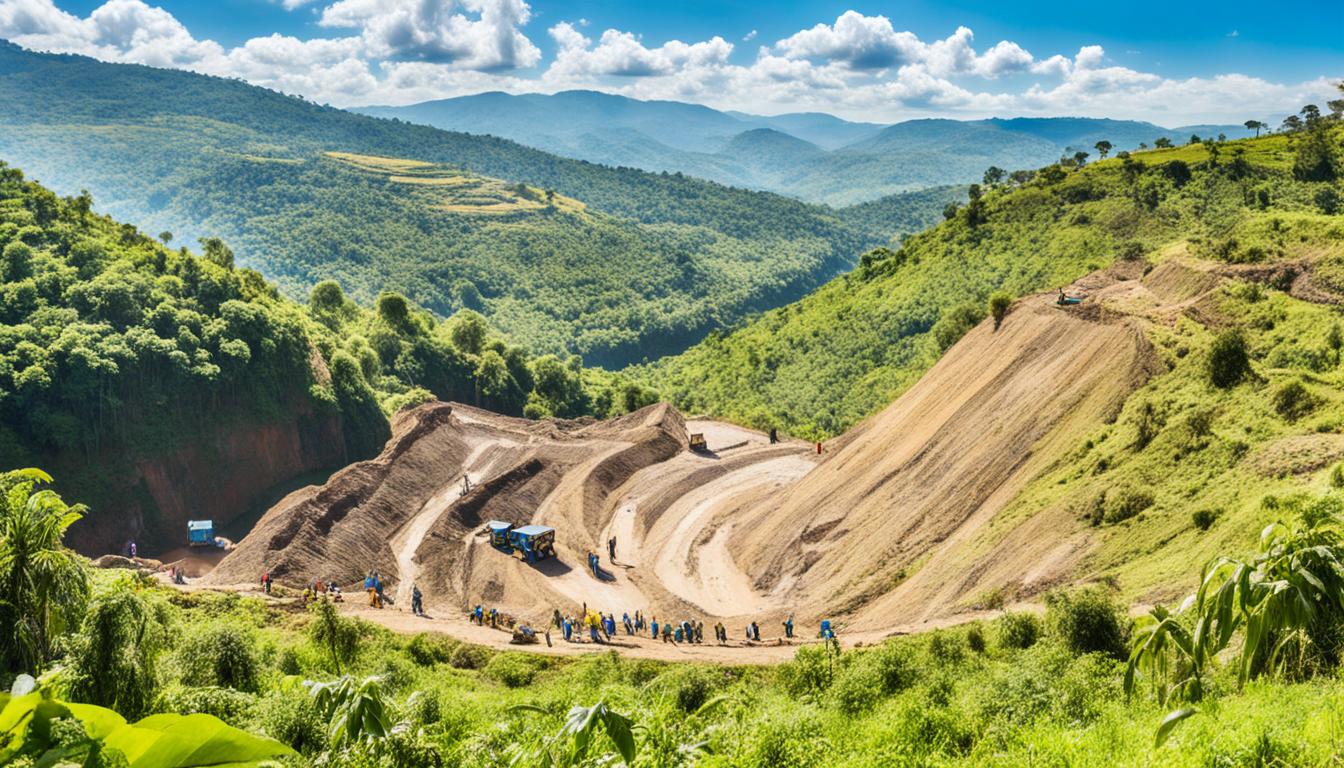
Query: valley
[577, 429]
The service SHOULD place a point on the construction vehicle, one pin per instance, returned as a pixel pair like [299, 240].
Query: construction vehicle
[201, 533]
[698, 443]
[499, 533]
[533, 542]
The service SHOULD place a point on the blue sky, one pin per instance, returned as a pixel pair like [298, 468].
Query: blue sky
[1170, 63]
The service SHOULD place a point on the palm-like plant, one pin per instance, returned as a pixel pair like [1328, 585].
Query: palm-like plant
[1284, 600]
[355, 710]
[571, 744]
[45, 584]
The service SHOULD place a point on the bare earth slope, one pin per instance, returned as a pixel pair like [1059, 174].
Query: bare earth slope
[892, 526]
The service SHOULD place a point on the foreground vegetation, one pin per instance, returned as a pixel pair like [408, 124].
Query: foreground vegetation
[1019, 690]
[816, 367]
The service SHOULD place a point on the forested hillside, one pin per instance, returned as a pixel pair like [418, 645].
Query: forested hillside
[134, 363]
[820, 365]
[650, 264]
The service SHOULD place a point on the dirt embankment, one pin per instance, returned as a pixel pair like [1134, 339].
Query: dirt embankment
[215, 476]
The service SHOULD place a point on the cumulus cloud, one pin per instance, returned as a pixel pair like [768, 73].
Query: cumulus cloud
[858, 66]
[471, 34]
[622, 54]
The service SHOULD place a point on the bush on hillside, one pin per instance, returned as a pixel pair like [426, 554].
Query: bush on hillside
[1293, 400]
[809, 673]
[1229, 360]
[954, 323]
[1018, 630]
[467, 656]
[291, 717]
[1125, 503]
[1087, 621]
[233, 707]
[429, 648]
[867, 676]
[1328, 201]
[512, 669]
[219, 655]
[1337, 476]
[1204, 518]
[975, 639]
[999, 304]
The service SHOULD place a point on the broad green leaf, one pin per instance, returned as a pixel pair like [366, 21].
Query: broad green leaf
[178, 741]
[1171, 721]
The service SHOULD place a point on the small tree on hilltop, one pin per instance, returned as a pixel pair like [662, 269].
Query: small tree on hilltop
[1254, 125]
[1162, 142]
[999, 304]
[1079, 158]
[994, 175]
[1103, 148]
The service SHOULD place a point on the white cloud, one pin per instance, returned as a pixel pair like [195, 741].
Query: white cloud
[471, 34]
[292, 5]
[860, 67]
[747, 38]
[622, 54]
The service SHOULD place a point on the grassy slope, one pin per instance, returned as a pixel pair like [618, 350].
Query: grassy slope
[660, 260]
[924, 700]
[816, 367]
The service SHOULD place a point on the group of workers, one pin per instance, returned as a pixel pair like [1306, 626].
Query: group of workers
[600, 627]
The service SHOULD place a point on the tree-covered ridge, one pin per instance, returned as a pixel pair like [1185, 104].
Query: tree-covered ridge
[659, 261]
[820, 365]
[114, 346]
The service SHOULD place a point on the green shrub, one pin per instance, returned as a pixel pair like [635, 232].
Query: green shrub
[424, 708]
[291, 717]
[946, 648]
[809, 673]
[1337, 476]
[1203, 518]
[1293, 400]
[512, 669]
[233, 707]
[218, 655]
[1018, 630]
[868, 675]
[975, 639]
[783, 741]
[999, 304]
[1229, 360]
[429, 648]
[1125, 503]
[954, 323]
[1087, 621]
[694, 686]
[287, 661]
[467, 656]
[936, 729]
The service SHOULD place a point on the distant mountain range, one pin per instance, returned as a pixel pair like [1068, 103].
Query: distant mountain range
[815, 157]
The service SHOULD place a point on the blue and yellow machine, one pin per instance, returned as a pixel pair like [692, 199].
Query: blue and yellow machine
[533, 542]
[499, 533]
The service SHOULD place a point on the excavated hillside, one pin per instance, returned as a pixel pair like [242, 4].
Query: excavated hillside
[892, 525]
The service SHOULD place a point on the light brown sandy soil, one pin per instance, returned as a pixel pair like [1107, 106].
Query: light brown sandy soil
[895, 527]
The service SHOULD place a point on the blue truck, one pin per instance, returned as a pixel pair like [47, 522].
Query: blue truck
[201, 533]
[529, 542]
